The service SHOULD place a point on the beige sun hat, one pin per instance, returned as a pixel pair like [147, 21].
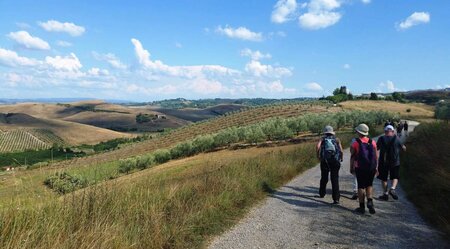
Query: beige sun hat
[362, 129]
[328, 130]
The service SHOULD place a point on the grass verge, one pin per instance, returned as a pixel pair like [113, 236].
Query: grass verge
[170, 207]
[425, 172]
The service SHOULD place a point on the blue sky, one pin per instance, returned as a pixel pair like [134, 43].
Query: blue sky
[133, 50]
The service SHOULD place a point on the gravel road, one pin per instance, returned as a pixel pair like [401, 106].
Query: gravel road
[295, 217]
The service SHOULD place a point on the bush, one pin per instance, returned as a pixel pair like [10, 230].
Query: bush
[442, 110]
[181, 150]
[64, 183]
[162, 156]
[127, 165]
[203, 143]
[254, 134]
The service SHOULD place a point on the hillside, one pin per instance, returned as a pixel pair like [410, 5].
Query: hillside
[411, 110]
[197, 114]
[71, 133]
[244, 117]
[98, 113]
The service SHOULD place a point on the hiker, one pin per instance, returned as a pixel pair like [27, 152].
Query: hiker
[329, 151]
[405, 127]
[388, 122]
[363, 162]
[399, 129]
[389, 162]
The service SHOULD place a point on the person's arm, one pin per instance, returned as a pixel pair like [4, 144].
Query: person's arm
[402, 146]
[319, 144]
[352, 159]
[341, 156]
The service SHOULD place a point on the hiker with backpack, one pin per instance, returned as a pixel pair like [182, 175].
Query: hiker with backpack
[389, 163]
[405, 127]
[329, 152]
[363, 163]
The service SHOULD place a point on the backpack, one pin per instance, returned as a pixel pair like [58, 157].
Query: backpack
[367, 159]
[329, 151]
[390, 155]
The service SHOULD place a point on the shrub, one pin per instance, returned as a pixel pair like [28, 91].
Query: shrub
[181, 150]
[126, 165]
[254, 134]
[202, 143]
[64, 182]
[162, 156]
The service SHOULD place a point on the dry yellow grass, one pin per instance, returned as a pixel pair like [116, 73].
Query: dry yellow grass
[417, 110]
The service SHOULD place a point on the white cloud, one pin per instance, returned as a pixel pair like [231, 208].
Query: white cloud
[66, 63]
[314, 86]
[261, 70]
[241, 33]
[366, 1]
[347, 66]
[63, 43]
[13, 79]
[95, 71]
[11, 58]
[110, 58]
[388, 85]
[283, 11]
[321, 14]
[26, 40]
[158, 66]
[319, 20]
[255, 55]
[415, 19]
[67, 27]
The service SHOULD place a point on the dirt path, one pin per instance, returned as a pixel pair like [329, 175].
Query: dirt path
[294, 217]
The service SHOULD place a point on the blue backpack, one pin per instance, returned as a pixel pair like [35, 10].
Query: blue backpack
[367, 159]
[329, 149]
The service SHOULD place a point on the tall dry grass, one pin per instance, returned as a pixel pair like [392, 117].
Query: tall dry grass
[180, 207]
[425, 172]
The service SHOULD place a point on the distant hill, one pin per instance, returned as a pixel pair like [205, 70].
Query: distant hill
[428, 96]
[181, 103]
[196, 114]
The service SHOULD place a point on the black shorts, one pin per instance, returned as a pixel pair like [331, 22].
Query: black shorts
[364, 177]
[385, 170]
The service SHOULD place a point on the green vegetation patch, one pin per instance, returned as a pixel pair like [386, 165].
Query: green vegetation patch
[425, 172]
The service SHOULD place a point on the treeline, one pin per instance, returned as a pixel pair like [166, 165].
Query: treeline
[274, 129]
[442, 110]
[205, 103]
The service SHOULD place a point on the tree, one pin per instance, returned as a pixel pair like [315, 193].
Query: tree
[373, 96]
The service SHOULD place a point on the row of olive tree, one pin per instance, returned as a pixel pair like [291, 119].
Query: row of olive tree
[269, 130]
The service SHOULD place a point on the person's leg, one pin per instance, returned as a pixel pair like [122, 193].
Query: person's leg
[369, 191]
[395, 171]
[335, 181]
[355, 188]
[383, 176]
[361, 189]
[323, 179]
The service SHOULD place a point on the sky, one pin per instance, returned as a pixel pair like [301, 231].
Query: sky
[153, 50]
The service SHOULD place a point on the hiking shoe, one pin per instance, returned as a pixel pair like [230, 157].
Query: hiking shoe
[336, 202]
[393, 194]
[384, 197]
[361, 210]
[355, 196]
[370, 207]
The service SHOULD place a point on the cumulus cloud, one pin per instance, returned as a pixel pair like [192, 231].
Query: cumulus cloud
[321, 14]
[66, 63]
[63, 43]
[366, 1]
[388, 85]
[241, 33]
[283, 11]
[255, 55]
[95, 71]
[11, 58]
[158, 66]
[110, 58]
[24, 39]
[67, 27]
[314, 86]
[415, 19]
[259, 70]
[346, 66]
